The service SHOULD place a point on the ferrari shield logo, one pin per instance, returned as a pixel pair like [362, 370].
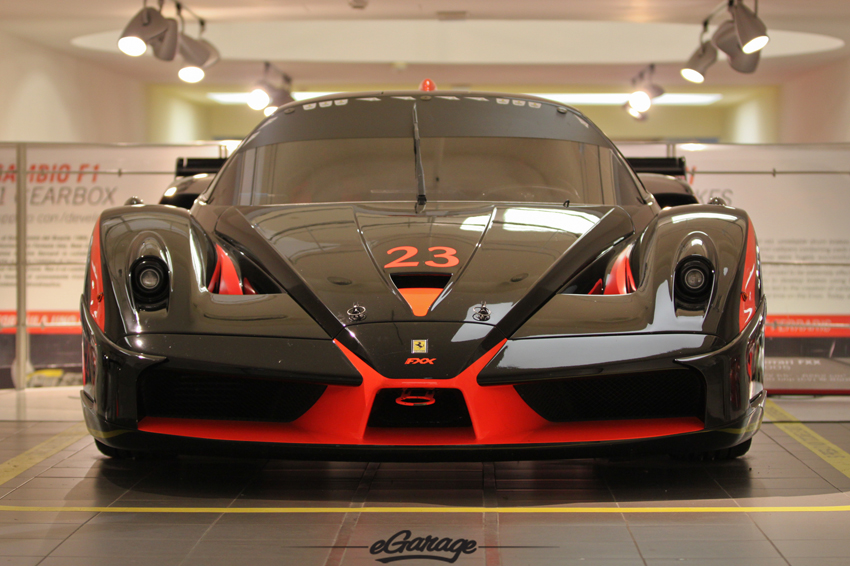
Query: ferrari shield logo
[419, 347]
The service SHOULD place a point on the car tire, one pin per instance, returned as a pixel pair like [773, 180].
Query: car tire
[716, 455]
[118, 453]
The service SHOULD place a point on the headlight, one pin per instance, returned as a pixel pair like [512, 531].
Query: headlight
[694, 278]
[149, 282]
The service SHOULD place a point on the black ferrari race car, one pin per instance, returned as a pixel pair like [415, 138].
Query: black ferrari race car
[424, 275]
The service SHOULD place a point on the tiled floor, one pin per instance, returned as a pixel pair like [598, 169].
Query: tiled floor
[778, 494]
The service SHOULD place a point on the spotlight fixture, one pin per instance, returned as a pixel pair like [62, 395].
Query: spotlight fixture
[259, 98]
[268, 94]
[703, 58]
[645, 90]
[166, 37]
[752, 33]
[197, 54]
[634, 113]
[726, 40]
[164, 45]
[145, 26]
[740, 38]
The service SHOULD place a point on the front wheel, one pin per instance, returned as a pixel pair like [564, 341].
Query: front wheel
[118, 453]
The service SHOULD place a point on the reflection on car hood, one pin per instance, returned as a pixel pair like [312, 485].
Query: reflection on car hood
[494, 254]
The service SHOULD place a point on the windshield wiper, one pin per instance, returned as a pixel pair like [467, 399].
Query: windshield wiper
[421, 199]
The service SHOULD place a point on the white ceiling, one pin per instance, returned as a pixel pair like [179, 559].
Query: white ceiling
[55, 23]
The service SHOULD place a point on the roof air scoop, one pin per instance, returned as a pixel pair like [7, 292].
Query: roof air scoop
[420, 290]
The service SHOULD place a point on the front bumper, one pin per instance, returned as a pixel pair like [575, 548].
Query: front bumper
[502, 425]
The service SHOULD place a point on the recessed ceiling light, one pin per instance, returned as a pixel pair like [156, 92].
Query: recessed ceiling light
[242, 97]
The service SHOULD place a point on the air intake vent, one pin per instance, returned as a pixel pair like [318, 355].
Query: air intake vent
[651, 395]
[447, 410]
[224, 397]
[420, 290]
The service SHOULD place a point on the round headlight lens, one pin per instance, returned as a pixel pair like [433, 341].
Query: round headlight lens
[149, 278]
[694, 278]
[149, 281]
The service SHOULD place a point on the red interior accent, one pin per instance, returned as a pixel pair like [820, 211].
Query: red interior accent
[420, 299]
[748, 290]
[247, 287]
[96, 304]
[597, 289]
[216, 276]
[427, 85]
[229, 283]
[620, 281]
[498, 415]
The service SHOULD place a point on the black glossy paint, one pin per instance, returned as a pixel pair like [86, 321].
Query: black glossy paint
[518, 260]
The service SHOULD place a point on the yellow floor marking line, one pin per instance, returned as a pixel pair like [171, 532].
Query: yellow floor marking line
[41, 452]
[832, 454]
[314, 510]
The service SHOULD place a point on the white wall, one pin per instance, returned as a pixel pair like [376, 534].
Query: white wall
[755, 120]
[174, 119]
[49, 96]
[815, 105]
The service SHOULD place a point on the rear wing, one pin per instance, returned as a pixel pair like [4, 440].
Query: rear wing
[188, 166]
[674, 166]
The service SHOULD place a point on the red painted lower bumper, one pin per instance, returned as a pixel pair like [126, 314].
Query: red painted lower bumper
[499, 417]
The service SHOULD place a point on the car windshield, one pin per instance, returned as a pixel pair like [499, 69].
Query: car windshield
[373, 159]
[469, 169]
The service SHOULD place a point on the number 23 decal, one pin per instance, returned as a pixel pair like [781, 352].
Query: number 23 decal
[447, 254]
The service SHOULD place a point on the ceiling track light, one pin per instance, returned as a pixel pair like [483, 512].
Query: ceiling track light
[268, 95]
[726, 40]
[740, 38]
[166, 37]
[751, 31]
[645, 90]
[639, 116]
[147, 26]
[703, 58]
[198, 54]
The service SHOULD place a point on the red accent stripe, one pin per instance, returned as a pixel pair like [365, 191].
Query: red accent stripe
[96, 303]
[229, 283]
[420, 299]
[595, 431]
[748, 291]
[620, 281]
[597, 289]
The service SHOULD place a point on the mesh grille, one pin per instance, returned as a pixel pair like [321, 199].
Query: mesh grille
[665, 394]
[225, 397]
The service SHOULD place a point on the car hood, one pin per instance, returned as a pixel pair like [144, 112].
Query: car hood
[494, 255]
[508, 258]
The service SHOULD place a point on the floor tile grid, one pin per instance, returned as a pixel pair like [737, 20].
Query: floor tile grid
[267, 541]
[42, 547]
[792, 454]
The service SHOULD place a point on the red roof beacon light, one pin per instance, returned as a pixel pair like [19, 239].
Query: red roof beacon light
[427, 85]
